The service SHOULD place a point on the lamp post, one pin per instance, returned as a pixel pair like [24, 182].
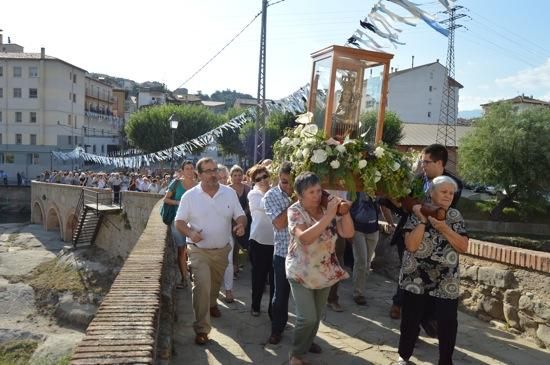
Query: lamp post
[173, 125]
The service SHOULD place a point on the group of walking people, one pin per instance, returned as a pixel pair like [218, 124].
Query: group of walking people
[292, 236]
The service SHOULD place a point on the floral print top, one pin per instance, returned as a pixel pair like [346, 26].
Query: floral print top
[315, 266]
[433, 268]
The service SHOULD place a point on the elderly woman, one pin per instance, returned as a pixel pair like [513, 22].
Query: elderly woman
[311, 264]
[429, 273]
[261, 246]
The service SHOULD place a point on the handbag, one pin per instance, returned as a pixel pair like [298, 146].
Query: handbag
[168, 211]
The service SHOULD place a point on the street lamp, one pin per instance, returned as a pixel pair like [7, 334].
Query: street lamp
[173, 125]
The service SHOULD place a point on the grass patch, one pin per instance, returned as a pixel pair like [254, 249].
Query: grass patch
[52, 276]
[530, 242]
[17, 352]
[65, 360]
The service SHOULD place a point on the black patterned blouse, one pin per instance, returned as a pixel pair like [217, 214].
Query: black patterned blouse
[433, 268]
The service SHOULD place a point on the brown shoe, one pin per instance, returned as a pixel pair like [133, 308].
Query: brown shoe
[360, 300]
[315, 348]
[201, 339]
[395, 311]
[215, 312]
[275, 338]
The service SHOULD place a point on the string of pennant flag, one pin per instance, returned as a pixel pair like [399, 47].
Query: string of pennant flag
[294, 103]
[382, 22]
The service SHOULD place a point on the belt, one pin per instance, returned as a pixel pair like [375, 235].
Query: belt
[216, 248]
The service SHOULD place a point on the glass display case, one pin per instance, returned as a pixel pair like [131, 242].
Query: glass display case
[346, 83]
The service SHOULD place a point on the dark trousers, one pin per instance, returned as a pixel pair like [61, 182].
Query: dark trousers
[261, 258]
[340, 249]
[116, 191]
[398, 296]
[414, 308]
[279, 309]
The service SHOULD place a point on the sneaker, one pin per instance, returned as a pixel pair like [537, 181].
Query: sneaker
[401, 361]
[335, 306]
[395, 311]
[360, 300]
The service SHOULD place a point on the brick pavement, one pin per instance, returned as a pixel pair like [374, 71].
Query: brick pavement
[360, 335]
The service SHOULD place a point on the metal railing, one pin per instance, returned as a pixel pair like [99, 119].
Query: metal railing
[101, 197]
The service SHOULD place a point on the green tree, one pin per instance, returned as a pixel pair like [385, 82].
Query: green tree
[231, 141]
[509, 150]
[149, 128]
[229, 97]
[393, 127]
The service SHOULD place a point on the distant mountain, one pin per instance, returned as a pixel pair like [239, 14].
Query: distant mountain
[122, 83]
[469, 114]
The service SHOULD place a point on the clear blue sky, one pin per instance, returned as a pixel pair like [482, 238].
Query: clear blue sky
[504, 52]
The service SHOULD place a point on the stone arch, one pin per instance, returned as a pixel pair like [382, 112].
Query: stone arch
[37, 213]
[70, 225]
[53, 220]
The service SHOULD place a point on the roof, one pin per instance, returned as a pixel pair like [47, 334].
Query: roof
[33, 57]
[520, 99]
[246, 101]
[211, 103]
[452, 81]
[425, 134]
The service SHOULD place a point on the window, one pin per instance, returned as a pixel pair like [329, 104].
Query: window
[17, 71]
[33, 139]
[430, 88]
[35, 158]
[74, 98]
[0, 140]
[1, 92]
[32, 117]
[18, 117]
[16, 92]
[102, 148]
[33, 93]
[33, 71]
[6, 158]
[70, 138]
[76, 140]
[0, 120]
[94, 149]
[429, 114]
[1, 71]
[74, 79]
[18, 138]
[70, 120]
[75, 121]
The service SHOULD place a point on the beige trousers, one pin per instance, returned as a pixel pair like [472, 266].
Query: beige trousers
[208, 267]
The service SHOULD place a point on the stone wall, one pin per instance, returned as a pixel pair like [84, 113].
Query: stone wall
[14, 204]
[502, 283]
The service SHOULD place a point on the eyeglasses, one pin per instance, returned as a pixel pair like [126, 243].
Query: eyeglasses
[426, 162]
[260, 178]
[209, 171]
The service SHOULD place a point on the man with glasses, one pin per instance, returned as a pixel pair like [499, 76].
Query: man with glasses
[276, 202]
[205, 216]
[433, 160]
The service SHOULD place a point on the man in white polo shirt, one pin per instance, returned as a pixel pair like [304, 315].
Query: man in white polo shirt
[205, 216]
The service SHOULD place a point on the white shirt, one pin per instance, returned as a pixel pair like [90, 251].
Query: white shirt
[261, 229]
[212, 215]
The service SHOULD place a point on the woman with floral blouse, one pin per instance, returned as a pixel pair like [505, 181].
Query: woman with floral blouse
[429, 272]
[311, 264]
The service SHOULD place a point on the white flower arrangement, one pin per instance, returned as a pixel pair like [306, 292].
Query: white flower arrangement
[350, 164]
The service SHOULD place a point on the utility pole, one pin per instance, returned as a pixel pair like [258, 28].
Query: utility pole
[259, 135]
[446, 130]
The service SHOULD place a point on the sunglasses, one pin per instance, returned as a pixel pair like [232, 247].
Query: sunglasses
[260, 178]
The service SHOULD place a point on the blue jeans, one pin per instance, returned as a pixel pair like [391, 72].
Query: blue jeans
[279, 310]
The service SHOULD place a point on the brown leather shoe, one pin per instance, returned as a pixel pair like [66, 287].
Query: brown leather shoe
[395, 311]
[215, 312]
[201, 339]
[275, 338]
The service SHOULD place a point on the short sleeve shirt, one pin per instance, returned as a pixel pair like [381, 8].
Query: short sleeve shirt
[212, 215]
[433, 268]
[275, 202]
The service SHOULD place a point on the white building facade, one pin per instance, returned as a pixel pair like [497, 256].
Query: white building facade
[41, 110]
[415, 94]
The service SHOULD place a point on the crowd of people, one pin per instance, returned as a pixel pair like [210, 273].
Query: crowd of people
[295, 235]
[295, 240]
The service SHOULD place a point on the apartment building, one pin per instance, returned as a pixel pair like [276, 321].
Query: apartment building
[41, 109]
